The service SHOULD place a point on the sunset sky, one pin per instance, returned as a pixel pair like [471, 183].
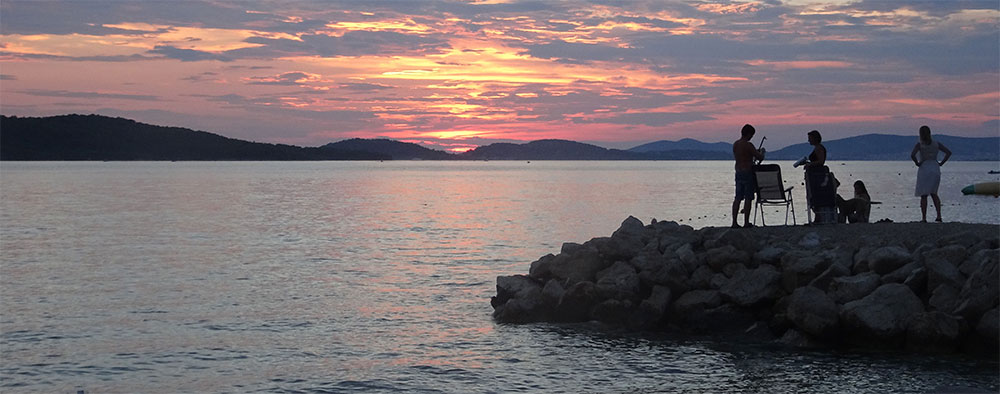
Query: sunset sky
[457, 74]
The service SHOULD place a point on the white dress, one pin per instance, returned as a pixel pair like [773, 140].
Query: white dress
[929, 174]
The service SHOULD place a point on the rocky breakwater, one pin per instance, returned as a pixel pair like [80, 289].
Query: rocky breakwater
[918, 286]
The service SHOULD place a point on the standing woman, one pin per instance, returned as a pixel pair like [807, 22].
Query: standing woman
[929, 174]
[820, 194]
[817, 159]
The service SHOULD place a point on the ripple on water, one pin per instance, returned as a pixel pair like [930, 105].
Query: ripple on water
[370, 277]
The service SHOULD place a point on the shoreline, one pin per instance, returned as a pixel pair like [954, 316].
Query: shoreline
[918, 287]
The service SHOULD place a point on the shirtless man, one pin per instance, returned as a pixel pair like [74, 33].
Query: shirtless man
[746, 183]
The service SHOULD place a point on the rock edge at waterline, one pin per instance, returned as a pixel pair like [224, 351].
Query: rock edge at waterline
[924, 287]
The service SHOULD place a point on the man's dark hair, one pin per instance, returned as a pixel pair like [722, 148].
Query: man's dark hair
[748, 130]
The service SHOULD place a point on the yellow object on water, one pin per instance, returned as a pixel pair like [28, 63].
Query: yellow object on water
[989, 188]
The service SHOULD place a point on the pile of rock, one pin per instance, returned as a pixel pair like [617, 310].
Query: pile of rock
[888, 285]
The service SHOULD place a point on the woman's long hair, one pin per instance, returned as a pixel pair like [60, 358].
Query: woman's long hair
[925, 135]
[859, 188]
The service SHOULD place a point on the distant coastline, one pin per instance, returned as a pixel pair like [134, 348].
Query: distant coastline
[102, 138]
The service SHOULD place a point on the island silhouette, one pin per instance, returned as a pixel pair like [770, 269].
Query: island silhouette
[101, 138]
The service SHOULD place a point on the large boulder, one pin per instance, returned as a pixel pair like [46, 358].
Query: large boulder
[702, 311]
[725, 318]
[619, 282]
[842, 255]
[687, 256]
[941, 272]
[611, 249]
[577, 301]
[541, 269]
[653, 309]
[836, 270]
[673, 237]
[888, 258]
[671, 274]
[552, 292]
[796, 338]
[516, 286]
[882, 316]
[900, 274]
[630, 238]
[861, 260]
[581, 265]
[983, 256]
[648, 261]
[917, 281]
[692, 306]
[770, 254]
[719, 257]
[810, 240]
[752, 287]
[633, 229]
[717, 281]
[614, 311]
[980, 292]
[934, 332]
[800, 268]
[944, 299]
[965, 239]
[849, 288]
[518, 300]
[954, 254]
[700, 278]
[739, 239]
[989, 328]
[570, 247]
[813, 312]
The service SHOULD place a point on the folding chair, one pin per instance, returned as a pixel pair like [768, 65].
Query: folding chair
[771, 191]
[821, 195]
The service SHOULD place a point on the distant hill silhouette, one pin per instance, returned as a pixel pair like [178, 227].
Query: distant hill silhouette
[395, 149]
[548, 150]
[95, 137]
[690, 154]
[686, 144]
[893, 147]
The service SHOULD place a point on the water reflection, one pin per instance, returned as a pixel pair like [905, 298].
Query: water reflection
[219, 277]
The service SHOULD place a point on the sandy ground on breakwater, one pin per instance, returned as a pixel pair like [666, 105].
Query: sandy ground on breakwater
[872, 234]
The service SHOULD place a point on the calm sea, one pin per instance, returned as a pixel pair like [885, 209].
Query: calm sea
[373, 277]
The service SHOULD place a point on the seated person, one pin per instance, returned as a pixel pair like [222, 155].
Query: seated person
[857, 209]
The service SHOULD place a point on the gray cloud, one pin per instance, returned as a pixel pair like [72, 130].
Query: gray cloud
[271, 104]
[653, 119]
[227, 98]
[762, 34]
[90, 17]
[570, 51]
[88, 95]
[187, 55]
[364, 87]
[7, 77]
[205, 76]
[934, 8]
[35, 56]
[353, 43]
[283, 79]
